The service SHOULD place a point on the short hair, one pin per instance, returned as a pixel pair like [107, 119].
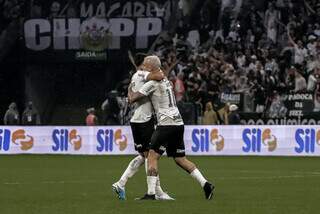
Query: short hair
[139, 58]
[154, 60]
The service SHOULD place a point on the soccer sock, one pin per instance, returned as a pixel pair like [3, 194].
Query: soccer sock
[159, 190]
[196, 174]
[152, 180]
[146, 165]
[131, 170]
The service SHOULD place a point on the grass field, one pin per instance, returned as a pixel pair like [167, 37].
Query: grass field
[82, 185]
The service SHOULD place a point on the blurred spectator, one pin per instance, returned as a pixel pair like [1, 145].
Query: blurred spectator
[277, 108]
[91, 119]
[210, 116]
[12, 116]
[272, 16]
[233, 117]
[30, 115]
[257, 48]
[223, 114]
[179, 89]
[111, 109]
[300, 82]
[312, 81]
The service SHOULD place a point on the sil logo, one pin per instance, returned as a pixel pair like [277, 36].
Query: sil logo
[253, 139]
[108, 137]
[18, 137]
[306, 140]
[202, 138]
[62, 138]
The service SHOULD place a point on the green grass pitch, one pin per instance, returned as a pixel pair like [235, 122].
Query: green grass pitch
[40, 184]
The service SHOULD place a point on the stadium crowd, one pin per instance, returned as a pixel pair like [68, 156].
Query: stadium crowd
[260, 53]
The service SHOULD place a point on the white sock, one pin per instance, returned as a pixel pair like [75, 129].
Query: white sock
[152, 180]
[196, 174]
[146, 166]
[159, 190]
[131, 170]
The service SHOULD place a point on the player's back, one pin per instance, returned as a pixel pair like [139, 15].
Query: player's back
[164, 102]
[143, 107]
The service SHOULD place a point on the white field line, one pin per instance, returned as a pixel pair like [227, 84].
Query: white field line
[312, 174]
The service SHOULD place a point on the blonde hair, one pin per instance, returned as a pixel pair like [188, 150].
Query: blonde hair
[153, 60]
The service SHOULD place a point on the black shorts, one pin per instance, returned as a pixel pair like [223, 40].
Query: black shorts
[142, 133]
[169, 139]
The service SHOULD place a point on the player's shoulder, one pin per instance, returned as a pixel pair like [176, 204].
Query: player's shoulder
[142, 73]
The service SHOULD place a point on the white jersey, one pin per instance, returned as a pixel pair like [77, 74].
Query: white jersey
[143, 109]
[163, 101]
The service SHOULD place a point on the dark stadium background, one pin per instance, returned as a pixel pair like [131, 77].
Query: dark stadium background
[62, 87]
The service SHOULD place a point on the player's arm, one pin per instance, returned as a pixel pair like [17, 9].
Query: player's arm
[147, 89]
[289, 36]
[134, 96]
[167, 71]
[157, 76]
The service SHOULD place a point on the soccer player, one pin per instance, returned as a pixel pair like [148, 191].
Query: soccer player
[142, 126]
[168, 135]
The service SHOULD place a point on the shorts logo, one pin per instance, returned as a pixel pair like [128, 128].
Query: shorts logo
[18, 137]
[254, 138]
[306, 140]
[180, 151]
[106, 138]
[202, 138]
[63, 137]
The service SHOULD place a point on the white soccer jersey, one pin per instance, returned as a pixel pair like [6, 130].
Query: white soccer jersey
[163, 101]
[143, 109]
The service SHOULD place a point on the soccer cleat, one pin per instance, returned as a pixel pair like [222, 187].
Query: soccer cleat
[164, 196]
[121, 193]
[208, 190]
[147, 197]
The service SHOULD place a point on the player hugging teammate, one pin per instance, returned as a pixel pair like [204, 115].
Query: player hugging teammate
[168, 136]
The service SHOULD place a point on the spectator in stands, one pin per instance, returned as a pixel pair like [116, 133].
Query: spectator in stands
[91, 119]
[272, 40]
[277, 108]
[300, 82]
[210, 116]
[233, 117]
[12, 116]
[300, 52]
[179, 89]
[111, 109]
[30, 115]
[313, 80]
[223, 114]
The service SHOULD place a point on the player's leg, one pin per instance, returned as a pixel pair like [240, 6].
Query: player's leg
[191, 168]
[160, 194]
[133, 166]
[156, 150]
[176, 149]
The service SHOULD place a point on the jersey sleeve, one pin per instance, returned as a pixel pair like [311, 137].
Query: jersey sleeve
[148, 88]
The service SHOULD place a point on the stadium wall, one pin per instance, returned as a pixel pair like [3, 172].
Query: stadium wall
[199, 140]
